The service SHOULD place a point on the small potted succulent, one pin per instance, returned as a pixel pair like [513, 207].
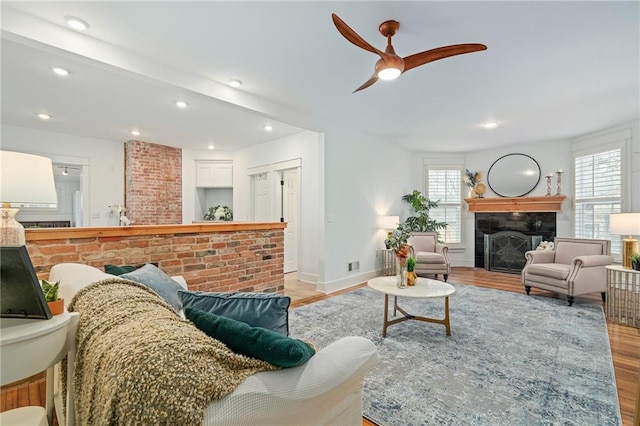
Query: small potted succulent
[635, 260]
[50, 291]
[411, 275]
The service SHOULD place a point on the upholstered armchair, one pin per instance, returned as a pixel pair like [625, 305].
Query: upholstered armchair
[432, 258]
[574, 267]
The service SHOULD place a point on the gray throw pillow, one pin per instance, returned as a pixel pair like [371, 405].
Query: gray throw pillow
[266, 310]
[158, 281]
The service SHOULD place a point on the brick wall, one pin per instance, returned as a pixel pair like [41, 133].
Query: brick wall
[153, 183]
[217, 261]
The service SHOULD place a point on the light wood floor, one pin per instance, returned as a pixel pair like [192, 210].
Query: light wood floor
[624, 341]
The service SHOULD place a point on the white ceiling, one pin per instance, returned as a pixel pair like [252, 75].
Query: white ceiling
[553, 70]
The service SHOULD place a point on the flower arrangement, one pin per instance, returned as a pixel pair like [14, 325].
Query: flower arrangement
[219, 213]
[471, 178]
[398, 242]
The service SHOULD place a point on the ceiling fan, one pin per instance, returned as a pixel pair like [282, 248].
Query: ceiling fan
[390, 65]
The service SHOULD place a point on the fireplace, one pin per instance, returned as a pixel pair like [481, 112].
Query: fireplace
[510, 235]
[504, 251]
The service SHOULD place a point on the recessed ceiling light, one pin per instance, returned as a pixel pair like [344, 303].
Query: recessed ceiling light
[181, 104]
[76, 23]
[211, 147]
[268, 127]
[60, 71]
[490, 124]
[43, 116]
[235, 83]
[135, 132]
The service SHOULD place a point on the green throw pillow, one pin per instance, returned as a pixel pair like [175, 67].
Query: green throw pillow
[119, 270]
[266, 310]
[124, 269]
[255, 342]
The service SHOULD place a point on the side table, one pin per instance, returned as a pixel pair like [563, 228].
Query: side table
[388, 262]
[623, 295]
[30, 346]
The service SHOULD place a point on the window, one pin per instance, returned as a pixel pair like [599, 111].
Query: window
[598, 193]
[445, 185]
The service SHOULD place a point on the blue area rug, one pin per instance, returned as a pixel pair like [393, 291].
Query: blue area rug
[511, 359]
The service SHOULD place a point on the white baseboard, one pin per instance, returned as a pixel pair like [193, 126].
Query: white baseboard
[306, 277]
[346, 282]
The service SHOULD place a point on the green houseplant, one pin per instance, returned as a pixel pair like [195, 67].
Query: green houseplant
[635, 260]
[421, 221]
[50, 291]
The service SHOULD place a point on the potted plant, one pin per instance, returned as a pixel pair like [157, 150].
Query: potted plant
[50, 291]
[421, 206]
[635, 260]
[411, 275]
[398, 243]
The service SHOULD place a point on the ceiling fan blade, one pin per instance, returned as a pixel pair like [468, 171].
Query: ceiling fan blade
[422, 58]
[352, 36]
[367, 83]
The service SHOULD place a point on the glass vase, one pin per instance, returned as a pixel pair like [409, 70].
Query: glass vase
[401, 272]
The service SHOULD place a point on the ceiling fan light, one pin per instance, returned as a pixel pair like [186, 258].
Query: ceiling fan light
[389, 73]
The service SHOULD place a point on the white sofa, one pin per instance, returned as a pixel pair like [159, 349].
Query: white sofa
[326, 390]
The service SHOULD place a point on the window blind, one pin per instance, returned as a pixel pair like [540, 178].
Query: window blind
[445, 185]
[598, 193]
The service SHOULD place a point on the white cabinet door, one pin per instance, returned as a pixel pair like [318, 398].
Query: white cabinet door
[210, 174]
[223, 175]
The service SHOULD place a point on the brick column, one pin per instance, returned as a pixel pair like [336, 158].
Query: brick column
[153, 183]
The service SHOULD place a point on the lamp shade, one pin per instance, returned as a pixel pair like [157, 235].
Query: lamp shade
[388, 222]
[26, 180]
[624, 224]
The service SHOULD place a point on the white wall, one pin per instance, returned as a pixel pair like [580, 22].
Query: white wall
[364, 178]
[105, 159]
[308, 147]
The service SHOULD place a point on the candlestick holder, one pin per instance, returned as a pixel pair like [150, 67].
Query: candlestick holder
[558, 183]
[548, 184]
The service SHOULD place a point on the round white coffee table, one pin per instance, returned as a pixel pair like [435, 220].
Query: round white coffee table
[424, 289]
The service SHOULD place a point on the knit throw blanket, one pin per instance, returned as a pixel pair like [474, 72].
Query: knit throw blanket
[138, 362]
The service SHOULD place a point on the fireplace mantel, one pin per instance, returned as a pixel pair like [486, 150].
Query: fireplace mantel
[545, 203]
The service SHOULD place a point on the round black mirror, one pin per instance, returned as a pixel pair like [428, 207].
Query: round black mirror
[513, 175]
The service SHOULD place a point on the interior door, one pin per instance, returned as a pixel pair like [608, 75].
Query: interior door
[291, 215]
[260, 191]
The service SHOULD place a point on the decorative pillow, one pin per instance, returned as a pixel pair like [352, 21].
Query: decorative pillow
[266, 310]
[157, 281]
[124, 269]
[255, 342]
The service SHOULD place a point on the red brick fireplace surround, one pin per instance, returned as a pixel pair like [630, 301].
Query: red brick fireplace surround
[237, 256]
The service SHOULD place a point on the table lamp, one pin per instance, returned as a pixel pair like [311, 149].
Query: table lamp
[389, 223]
[626, 224]
[26, 180]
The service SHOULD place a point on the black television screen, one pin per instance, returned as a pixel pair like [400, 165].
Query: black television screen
[20, 292]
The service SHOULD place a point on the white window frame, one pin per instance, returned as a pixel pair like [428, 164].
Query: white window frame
[620, 139]
[439, 161]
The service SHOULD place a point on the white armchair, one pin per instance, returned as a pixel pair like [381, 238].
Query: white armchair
[432, 258]
[575, 267]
